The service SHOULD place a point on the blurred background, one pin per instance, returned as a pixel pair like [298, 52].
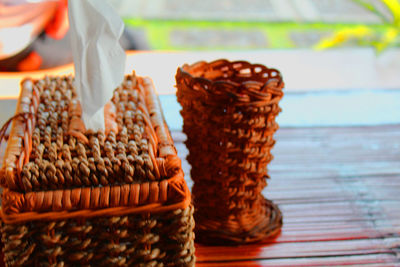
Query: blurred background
[229, 25]
[259, 24]
[333, 46]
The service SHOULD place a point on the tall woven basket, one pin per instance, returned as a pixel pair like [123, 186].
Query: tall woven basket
[229, 111]
[74, 197]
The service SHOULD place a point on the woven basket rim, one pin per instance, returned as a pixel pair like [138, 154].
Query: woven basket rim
[186, 70]
[256, 84]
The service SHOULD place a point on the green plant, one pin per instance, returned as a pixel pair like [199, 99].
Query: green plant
[366, 35]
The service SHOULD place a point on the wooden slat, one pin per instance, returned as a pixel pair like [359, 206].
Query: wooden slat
[339, 191]
[299, 249]
[378, 260]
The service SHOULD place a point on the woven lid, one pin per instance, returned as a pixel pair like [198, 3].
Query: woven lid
[54, 166]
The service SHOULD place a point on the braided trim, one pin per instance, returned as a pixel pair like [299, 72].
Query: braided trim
[99, 201]
[165, 142]
[20, 142]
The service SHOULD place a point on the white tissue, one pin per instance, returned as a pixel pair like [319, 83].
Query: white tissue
[99, 59]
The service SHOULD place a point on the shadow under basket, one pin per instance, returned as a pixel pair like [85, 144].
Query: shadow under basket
[229, 111]
[75, 197]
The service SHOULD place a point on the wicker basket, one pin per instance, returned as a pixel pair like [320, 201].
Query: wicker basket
[229, 111]
[74, 197]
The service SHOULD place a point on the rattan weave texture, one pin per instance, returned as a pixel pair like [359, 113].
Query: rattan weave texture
[75, 197]
[229, 111]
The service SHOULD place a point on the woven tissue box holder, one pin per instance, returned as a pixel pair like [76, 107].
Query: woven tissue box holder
[75, 197]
